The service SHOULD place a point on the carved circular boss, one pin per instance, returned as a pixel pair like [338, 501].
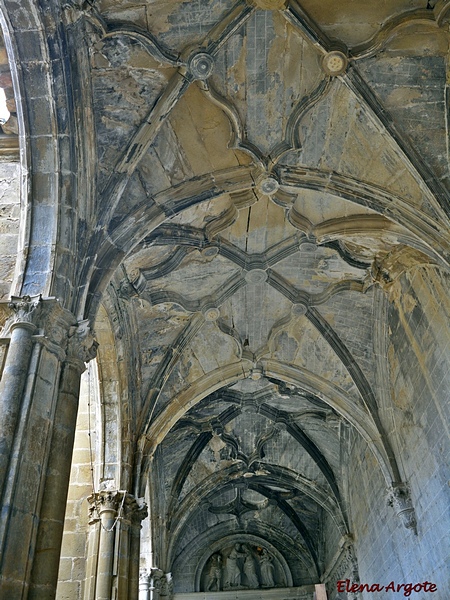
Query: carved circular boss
[201, 65]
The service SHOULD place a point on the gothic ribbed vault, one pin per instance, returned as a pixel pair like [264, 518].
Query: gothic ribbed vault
[248, 201]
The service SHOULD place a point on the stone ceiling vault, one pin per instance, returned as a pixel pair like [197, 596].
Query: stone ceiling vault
[264, 171]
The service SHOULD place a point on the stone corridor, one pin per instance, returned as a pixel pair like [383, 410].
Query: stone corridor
[224, 300]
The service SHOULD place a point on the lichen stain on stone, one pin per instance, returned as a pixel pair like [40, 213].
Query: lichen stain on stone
[409, 303]
[416, 40]
[237, 78]
[404, 97]
[293, 65]
[203, 131]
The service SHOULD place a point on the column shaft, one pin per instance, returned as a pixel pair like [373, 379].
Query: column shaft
[23, 490]
[144, 587]
[12, 385]
[105, 555]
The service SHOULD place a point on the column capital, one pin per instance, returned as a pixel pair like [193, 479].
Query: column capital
[144, 575]
[156, 572]
[117, 501]
[105, 500]
[51, 325]
[166, 590]
[23, 311]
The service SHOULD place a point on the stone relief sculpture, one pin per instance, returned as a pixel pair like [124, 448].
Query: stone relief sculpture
[233, 577]
[267, 569]
[241, 566]
[214, 574]
[251, 577]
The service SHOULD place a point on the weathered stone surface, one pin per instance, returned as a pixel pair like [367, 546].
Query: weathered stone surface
[248, 203]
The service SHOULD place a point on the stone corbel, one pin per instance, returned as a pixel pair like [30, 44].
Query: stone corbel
[386, 270]
[379, 274]
[400, 499]
[129, 289]
[134, 511]
[82, 345]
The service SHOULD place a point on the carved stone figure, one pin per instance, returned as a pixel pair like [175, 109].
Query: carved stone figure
[214, 573]
[267, 569]
[233, 572]
[249, 569]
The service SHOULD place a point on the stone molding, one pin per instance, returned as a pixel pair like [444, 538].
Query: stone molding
[386, 270]
[269, 4]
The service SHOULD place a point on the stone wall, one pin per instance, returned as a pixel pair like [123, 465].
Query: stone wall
[9, 224]
[417, 420]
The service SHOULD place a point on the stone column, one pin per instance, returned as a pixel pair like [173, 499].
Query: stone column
[81, 348]
[20, 326]
[38, 334]
[107, 505]
[113, 561]
[144, 585]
